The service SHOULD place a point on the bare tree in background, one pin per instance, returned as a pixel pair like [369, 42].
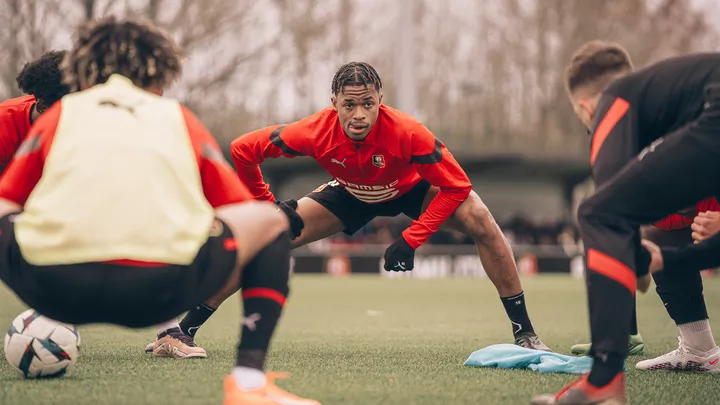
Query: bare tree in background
[671, 28]
[222, 38]
[512, 97]
[26, 31]
[305, 27]
[489, 74]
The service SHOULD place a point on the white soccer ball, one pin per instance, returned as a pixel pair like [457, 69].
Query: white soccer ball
[39, 347]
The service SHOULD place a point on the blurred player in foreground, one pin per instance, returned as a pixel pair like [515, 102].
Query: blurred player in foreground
[130, 215]
[674, 108]
[681, 293]
[41, 80]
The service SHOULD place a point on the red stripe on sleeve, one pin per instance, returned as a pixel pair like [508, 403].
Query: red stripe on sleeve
[617, 110]
[267, 293]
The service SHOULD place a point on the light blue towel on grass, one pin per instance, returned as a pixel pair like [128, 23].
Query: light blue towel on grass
[513, 356]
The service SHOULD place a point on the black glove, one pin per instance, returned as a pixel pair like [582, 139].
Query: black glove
[296, 223]
[399, 256]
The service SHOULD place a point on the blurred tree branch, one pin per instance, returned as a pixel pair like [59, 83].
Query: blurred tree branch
[489, 74]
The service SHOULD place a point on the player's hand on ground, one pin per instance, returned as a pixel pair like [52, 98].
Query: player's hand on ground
[399, 256]
[705, 225]
[656, 259]
[296, 223]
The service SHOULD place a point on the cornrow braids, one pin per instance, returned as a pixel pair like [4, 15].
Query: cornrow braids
[136, 50]
[355, 74]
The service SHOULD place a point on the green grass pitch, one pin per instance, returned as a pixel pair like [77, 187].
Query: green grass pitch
[366, 340]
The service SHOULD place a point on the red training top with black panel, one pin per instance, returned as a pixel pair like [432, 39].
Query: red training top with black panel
[396, 154]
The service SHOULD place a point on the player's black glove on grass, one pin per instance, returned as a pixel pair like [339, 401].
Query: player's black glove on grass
[296, 223]
[399, 256]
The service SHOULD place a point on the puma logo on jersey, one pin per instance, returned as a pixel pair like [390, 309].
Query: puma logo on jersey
[333, 160]
[114, 104]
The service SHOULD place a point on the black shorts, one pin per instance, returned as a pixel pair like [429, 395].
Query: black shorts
[355, 214]
[126, 295]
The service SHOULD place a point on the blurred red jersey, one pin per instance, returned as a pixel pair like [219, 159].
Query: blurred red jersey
[142, 193]
[397, 153]
[14, 126]
[677, 221]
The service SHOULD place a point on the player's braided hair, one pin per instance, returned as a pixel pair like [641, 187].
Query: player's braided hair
[355, 74]
[42, 78]
[136, 50]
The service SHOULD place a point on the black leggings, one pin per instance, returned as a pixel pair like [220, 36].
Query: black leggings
[678, 172]
[681, 293]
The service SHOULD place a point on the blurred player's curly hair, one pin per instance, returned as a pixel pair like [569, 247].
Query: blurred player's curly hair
[42, 78]
[595, 65]
[355, 74]
[134, 49]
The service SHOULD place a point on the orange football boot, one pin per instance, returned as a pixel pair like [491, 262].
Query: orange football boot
[270, 394]
[580, 392]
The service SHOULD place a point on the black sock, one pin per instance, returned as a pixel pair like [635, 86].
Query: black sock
[633, 324]
[603, 371]
[517, 312]
[195, 318]
[265, 289]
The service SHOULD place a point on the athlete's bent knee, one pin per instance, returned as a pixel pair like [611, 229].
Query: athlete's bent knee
[252, 216]
[273, 221]
[590, 211]
[477, 219]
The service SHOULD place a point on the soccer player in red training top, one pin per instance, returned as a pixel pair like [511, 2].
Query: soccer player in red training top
[384, 163]
[41, 80]
[672, 110]
[131, 215]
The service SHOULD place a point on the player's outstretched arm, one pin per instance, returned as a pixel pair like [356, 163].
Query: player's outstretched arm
[251, 149]
[436, 164]
[9, 139]
[25, 169]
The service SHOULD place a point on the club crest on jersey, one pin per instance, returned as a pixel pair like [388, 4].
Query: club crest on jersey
[378, 161]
